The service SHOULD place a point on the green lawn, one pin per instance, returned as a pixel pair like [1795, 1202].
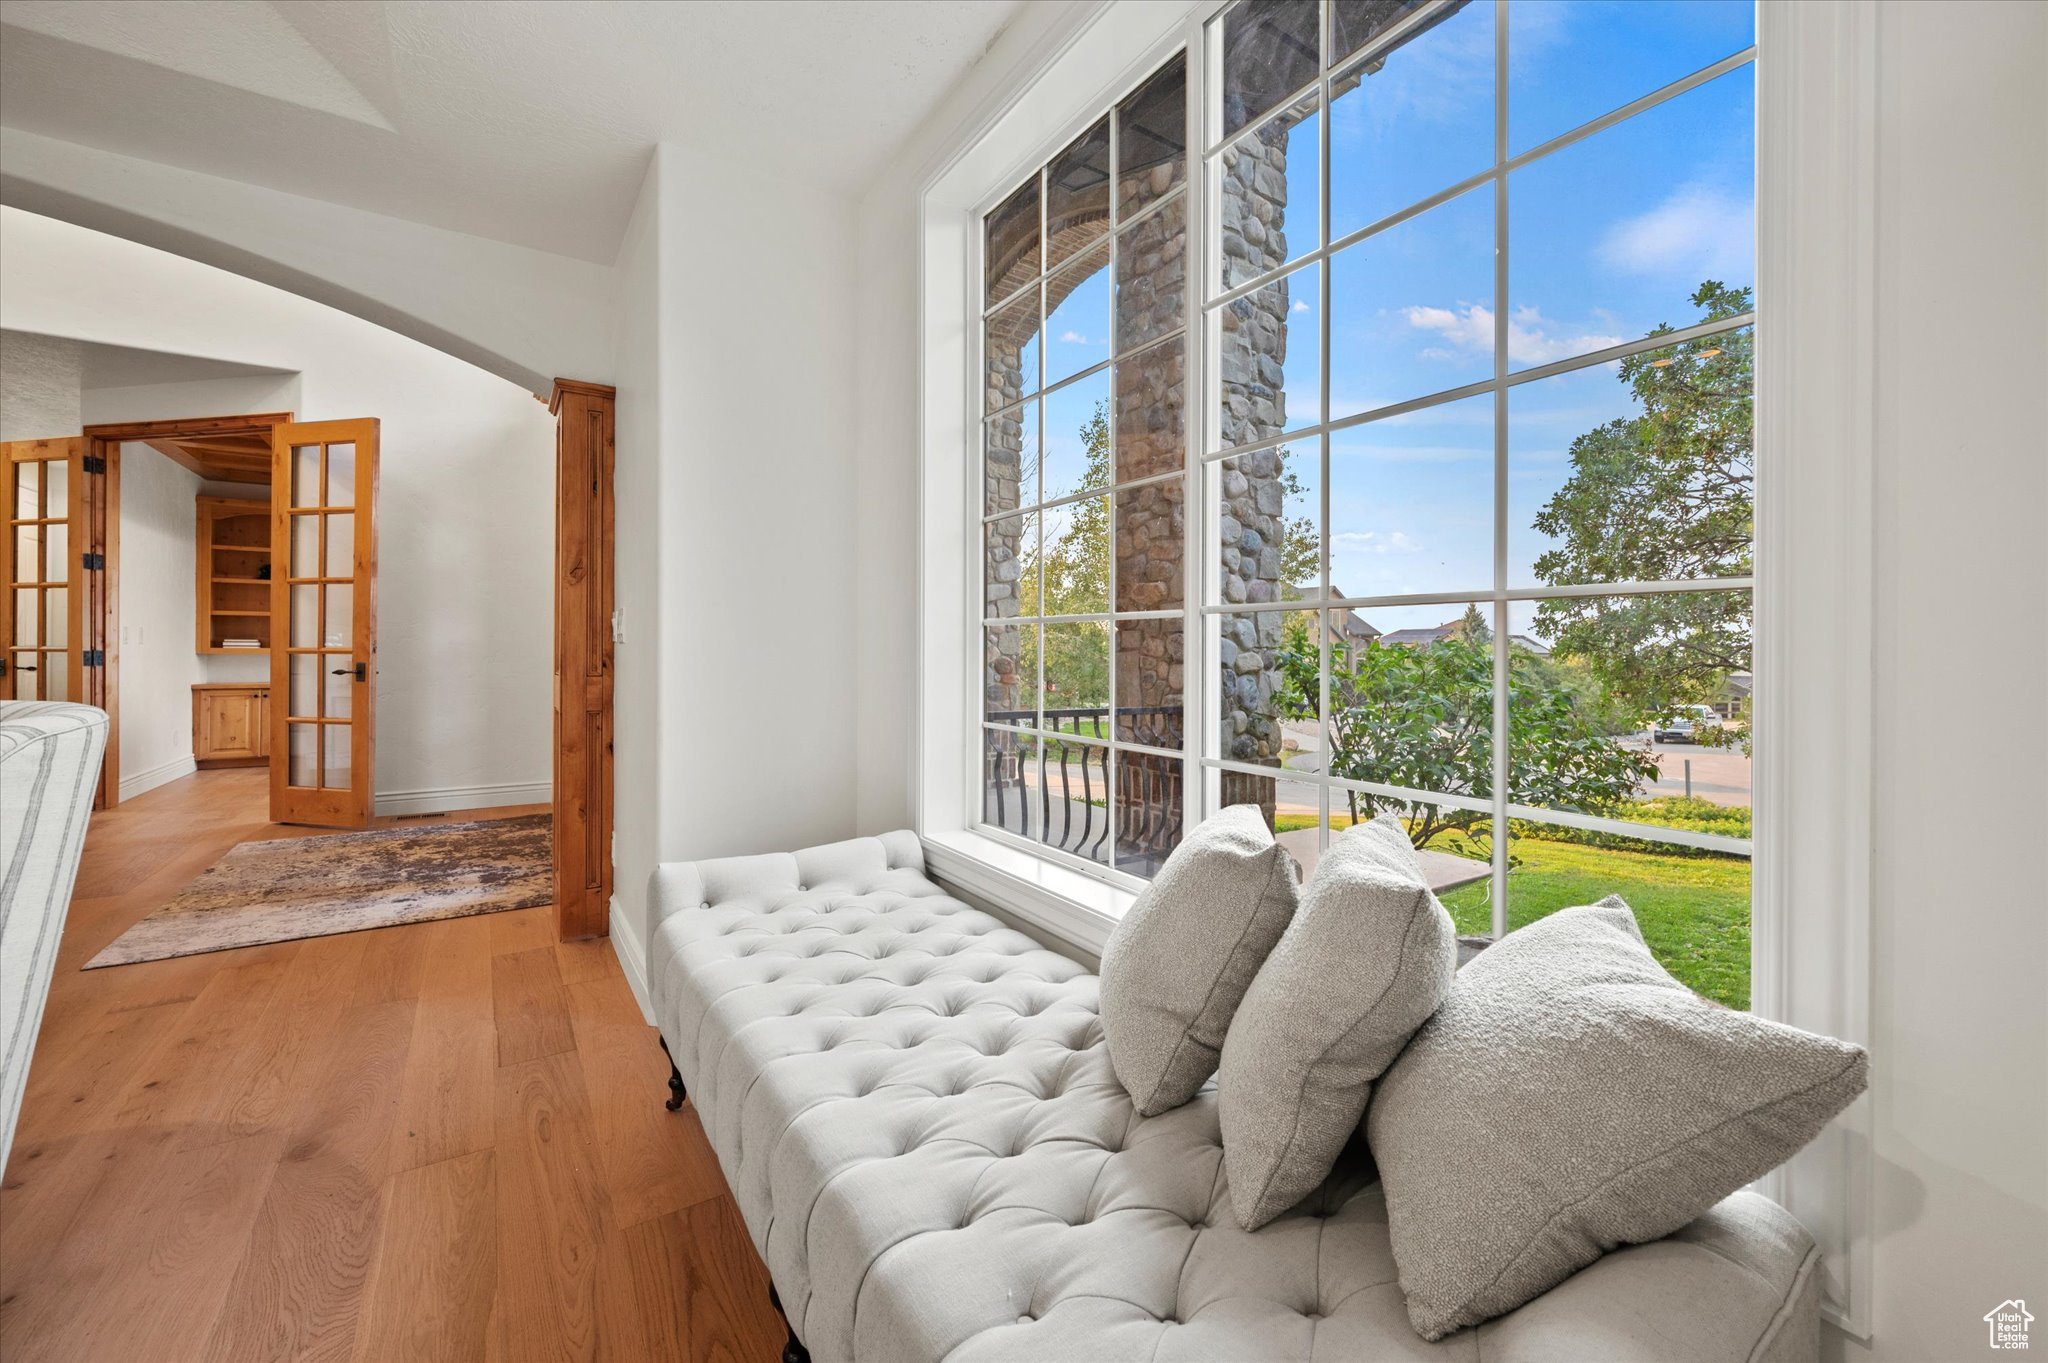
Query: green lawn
[1693, 910]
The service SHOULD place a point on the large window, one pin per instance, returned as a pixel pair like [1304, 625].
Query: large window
[1478, 310]
[1084, 463]
[1467, 457]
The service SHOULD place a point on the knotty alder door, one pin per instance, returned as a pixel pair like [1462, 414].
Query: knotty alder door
[39, 615]
[323, 657]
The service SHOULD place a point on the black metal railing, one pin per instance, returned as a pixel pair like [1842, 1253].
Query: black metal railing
[1067, 786]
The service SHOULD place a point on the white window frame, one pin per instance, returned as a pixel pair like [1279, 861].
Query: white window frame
[1810, 907]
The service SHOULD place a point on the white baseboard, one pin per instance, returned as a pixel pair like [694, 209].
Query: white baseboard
[443, 799]
[134, 783]
[632, 954]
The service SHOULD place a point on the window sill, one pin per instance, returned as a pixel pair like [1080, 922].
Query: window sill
[1074, 907]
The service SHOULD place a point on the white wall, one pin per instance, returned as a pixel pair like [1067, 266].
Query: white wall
[39, 386]
[157, 629]
[1960, 935]
[466, 501]
[526, 315]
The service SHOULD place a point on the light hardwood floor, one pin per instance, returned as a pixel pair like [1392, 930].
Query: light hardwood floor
[438, 1141]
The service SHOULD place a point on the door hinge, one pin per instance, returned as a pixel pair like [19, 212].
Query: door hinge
[93, 463]
[94, 657]
[93, 562]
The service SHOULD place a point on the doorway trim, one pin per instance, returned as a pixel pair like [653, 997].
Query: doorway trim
[585, 433]
[102, 536]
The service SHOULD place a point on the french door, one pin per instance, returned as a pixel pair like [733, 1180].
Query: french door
[39, 616]
[323, 659]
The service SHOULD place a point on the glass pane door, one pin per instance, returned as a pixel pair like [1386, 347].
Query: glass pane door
[322, 503]
[38, 626]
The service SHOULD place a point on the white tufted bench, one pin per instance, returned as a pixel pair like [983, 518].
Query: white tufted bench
[914, 1108]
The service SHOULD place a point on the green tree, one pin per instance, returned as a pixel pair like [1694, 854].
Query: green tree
[1423, 718]
[1301, 548]
[1072, 570]
[1667, 495]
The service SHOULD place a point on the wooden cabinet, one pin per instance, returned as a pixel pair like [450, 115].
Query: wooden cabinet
[230, 724]
[233, 539]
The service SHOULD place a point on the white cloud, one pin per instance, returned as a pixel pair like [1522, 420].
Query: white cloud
[1075, 338]
[1699, 233]
[1373, 542]
[1300, 305]
[1531, 338]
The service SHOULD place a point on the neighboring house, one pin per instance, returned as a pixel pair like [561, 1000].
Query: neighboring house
[1738, 687]
[1423, 638]
[1353, 627]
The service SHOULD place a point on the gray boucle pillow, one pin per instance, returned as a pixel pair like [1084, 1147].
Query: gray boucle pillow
[1569, 1097]
[1365, 962]
[1178, 963]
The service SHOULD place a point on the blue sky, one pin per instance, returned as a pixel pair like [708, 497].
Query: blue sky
[1607, 240]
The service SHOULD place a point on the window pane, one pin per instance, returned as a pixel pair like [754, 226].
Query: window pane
[28, 490]
[56, 676]
[1010, 459]
[1354, 23]
[340, 689]
[1412, 307]
[1269, 351]
[341, 544]
[27, 617]
[1574, 60]
[334, 773]
[1268, 528]
[56, 617]
[1634, 707]
[1010, 243]
[302, 747]
[56, 487]
[1073, 797]
[1076, 445]
[1077, 194]
[305, 608]
[303, 699]
[1008, 800]
[1077, 315]
[341, 474]
[1009, 554]
[1692, 907]
[1272, 210]
[1011, 352]
[1150, 673]
[56, 553]
[1010, 675]
[340, 623]
[1077, 678]
[1148, 811]
[305, 475]
[1411, 502]
[28, 548]
[1271, 48]
[1411, 701]
[1151, 532]
[1413, 121]
[305, 547]
[1642, 471]
[1151, 277]
[1152, 139]
[1075, 561]
[1151, 411]
[1610, 237]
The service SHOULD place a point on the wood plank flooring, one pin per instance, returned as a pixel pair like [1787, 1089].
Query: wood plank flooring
[438, 1141]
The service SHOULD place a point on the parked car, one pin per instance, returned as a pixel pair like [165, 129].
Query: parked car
[1686, 725]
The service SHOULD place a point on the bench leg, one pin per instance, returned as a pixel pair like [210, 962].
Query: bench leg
[676, 1092]
[793, 1350]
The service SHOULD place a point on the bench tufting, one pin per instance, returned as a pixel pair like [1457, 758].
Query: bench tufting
[914, 1108]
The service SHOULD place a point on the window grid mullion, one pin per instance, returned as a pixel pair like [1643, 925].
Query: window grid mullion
[1501, 662]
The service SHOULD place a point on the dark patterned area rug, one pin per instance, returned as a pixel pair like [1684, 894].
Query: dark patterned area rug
[288, 888]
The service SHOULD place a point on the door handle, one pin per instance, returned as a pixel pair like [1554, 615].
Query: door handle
[360, 670]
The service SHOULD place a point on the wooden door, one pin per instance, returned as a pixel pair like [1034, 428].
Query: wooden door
[583, 658]
[42, 653]
[323, 657]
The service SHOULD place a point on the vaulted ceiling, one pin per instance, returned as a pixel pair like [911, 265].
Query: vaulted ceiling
[528, 123]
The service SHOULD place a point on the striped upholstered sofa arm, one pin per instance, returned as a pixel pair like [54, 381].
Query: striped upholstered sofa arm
[49, 767]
